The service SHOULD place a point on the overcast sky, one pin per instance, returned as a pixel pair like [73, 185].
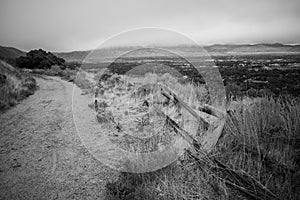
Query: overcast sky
[67, 25]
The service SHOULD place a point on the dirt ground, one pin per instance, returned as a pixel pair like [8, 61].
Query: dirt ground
[41, 156]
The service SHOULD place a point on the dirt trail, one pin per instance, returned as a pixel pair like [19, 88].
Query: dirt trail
[41, 156]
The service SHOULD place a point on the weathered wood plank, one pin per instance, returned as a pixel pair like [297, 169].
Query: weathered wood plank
[212, 118]
[172, 95]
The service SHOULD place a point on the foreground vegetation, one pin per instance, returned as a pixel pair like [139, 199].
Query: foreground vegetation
[14, 85]
[260, 141]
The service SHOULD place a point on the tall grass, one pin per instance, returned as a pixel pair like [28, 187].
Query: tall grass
[260, 140]
[14, 86]
[10, 95]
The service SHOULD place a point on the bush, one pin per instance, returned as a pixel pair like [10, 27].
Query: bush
[82, 81]
[56, 70]
[73, 65]
[30, 83]
[233, 90]
[39, 59]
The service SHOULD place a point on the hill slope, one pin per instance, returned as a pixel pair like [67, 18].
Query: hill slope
[9, 54]
[253, 48]
[74, 56]
[187, 51]
[14, 85]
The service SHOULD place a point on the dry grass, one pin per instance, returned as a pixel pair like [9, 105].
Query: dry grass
[66, 74]
[260, 140]
[14, 86]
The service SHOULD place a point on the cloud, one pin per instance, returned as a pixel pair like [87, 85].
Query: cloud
[76, 24]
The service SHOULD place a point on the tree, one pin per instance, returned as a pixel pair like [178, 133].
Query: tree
[39, 59]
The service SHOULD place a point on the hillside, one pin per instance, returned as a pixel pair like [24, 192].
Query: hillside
[14, 85]
[253, 48]
[74, 56]
[10, 53]
[217, 49]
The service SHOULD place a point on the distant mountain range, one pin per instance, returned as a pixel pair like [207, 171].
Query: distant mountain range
[10, 53]
[253, 48]
[217, 49]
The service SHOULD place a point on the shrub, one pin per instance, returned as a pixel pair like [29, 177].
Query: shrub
[39, 59]
[30, 83]
[233, 90]
[83, 81]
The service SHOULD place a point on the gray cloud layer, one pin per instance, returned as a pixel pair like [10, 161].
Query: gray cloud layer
[64, 25]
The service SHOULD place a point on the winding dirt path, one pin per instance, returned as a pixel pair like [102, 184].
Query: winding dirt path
[41, 156]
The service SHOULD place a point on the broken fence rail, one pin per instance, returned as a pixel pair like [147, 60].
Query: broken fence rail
[250, 187]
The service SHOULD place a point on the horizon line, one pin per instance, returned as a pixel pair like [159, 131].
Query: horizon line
[178, 45]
